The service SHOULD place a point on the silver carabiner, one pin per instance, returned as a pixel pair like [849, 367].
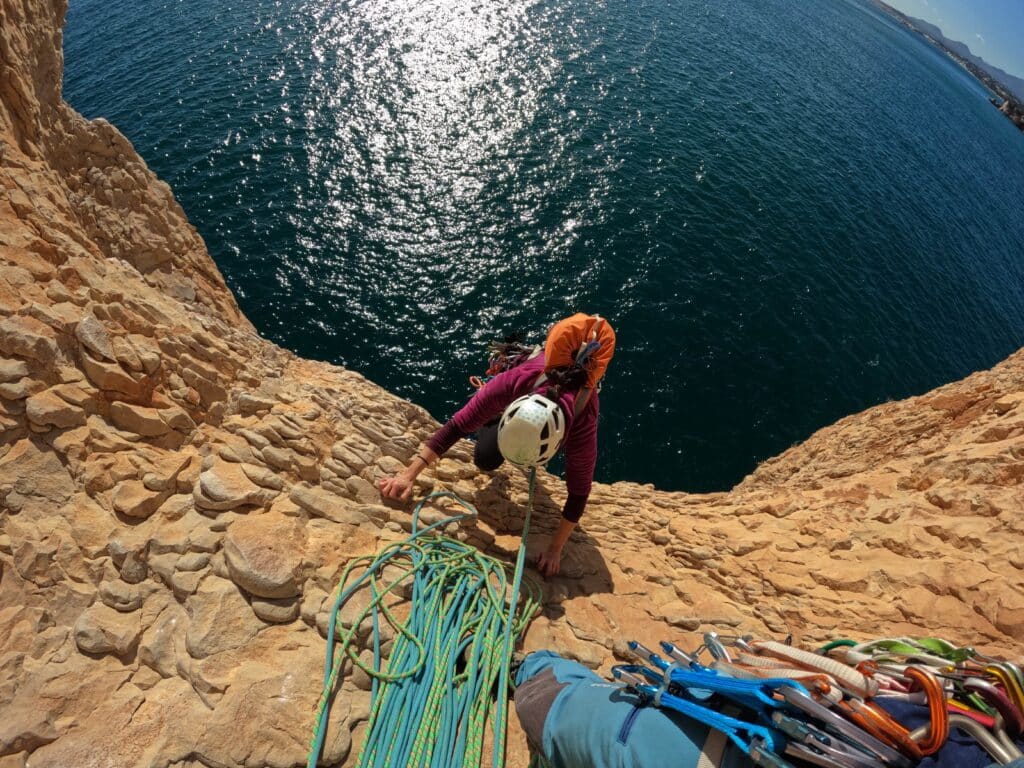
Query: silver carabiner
[992, 744]
[677, 654]
[715, 647]
[844, 727]
[642, 652]
[630, 680]
[829, 756]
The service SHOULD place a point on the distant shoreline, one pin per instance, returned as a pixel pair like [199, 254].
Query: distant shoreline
[1009, 105]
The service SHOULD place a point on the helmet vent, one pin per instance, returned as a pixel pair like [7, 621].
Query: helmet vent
[531, 430]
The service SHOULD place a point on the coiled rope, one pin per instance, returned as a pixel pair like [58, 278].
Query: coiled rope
[450, 656]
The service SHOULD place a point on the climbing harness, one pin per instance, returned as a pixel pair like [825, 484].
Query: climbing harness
[779, 703]
[449, 659]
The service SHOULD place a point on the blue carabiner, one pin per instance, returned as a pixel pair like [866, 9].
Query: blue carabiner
[759, 741]
[757, 694]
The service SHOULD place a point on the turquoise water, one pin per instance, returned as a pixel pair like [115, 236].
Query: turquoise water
[789, 210]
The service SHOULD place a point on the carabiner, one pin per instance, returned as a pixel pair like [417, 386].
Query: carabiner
[1000, 702]
[834, 722]
[1007, 675]
[678, 654]
[758, 738]
[995, 748]
[877, 722]
[715, 647]
[832, 755]
[938, 730]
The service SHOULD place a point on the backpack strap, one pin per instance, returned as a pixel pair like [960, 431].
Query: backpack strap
[582, 398]
[713, 750]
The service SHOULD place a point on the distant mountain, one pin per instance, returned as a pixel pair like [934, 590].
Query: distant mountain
[925, 26]
[1015, 84]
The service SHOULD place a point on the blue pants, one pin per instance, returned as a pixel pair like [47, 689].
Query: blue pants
[578, 720]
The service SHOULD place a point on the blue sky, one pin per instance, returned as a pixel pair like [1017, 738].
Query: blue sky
[994, 29]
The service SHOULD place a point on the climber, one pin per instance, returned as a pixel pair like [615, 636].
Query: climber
[575, 719]
[527, 413]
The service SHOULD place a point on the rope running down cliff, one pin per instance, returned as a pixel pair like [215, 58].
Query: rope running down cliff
[449, 657]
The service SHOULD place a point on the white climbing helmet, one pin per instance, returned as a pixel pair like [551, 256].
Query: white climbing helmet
[530, 431]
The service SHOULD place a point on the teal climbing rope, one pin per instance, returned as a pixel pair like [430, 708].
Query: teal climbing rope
[455, 615]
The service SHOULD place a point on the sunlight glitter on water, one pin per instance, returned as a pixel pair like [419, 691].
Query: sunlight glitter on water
[428, 106]
[774, 202]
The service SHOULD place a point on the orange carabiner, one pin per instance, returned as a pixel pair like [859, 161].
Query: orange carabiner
[938, 730]
[879, 724]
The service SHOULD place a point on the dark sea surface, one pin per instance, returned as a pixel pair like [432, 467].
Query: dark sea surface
[789, 210]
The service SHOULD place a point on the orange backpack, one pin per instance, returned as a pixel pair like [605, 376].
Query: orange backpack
[580, 339]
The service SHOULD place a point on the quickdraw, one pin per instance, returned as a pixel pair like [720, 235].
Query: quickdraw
[784, 702]
[959, 685]
[761, 744]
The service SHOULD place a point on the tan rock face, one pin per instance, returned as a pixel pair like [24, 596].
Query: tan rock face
[178, 497]
[225, 485]
[28, 337]
[219, 619]
[133, 499]
[102, 629]
[48, 409]
[264, 554]
[138, 419]
[94, 337]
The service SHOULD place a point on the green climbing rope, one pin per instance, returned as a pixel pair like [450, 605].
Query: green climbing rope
[450, 650]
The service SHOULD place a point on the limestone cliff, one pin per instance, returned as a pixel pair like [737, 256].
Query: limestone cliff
[178, 496]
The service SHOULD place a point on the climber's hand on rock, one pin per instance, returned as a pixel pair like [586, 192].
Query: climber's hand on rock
[398, 488]
[549, 562]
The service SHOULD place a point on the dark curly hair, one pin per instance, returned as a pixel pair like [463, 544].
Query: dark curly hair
[570, 379]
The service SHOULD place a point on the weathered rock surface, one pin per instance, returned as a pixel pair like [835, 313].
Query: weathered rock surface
[264, 554]
[178, 496]
[102, 629]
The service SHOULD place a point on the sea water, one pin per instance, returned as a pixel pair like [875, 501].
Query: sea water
[789, 210]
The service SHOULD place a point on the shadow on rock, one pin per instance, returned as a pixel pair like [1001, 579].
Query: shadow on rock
[502, 505]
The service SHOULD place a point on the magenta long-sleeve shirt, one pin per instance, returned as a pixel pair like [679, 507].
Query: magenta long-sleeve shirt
[580, 443]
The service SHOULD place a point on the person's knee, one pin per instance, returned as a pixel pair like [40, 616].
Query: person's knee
[487, 461]
[486, 454]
